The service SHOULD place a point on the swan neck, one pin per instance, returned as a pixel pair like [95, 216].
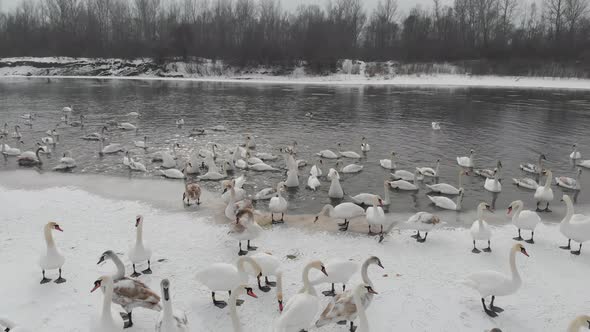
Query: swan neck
[547, 182]
[120, 274]
[107, 298]
[167, 308]
[513, 269]
[386, 193]
[479, 213]
[233, 312]
[360, 308]
[307, 287]
[279, 276]
[139, 233]
[569, 211]
[365, 272]
[327, 210]
[49, 237]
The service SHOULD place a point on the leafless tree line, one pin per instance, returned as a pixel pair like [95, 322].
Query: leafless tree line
[261, 31]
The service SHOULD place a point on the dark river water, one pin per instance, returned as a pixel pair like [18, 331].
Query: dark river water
[513, 126]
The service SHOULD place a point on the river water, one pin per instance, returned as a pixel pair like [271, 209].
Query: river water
[511, 125]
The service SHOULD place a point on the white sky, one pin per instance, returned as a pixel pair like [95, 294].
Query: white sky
[404, 5]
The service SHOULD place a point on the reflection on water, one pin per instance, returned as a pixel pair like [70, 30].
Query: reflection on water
[513, 126]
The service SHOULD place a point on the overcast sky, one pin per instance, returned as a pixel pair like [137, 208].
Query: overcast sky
[404, 5]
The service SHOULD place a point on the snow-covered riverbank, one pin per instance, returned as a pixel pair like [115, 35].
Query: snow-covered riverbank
[216, 71]
[418, 290]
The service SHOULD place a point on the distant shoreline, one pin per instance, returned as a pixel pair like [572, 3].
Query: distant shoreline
[351, 73]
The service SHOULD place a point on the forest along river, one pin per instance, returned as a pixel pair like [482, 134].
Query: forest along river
[511, 125]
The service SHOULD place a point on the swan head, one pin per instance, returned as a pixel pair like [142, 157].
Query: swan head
[368, 289]
[566, 198]
[375, 260]
[54, 225]
[484, 206]
[548, 173]
[138, 220]
[514, 205]
[499, 164]
[248, 290]
[520, 247]
[109, 254]
[100, 282]
[165, 285]
[542, 157]
[471, 151]
[318, 265]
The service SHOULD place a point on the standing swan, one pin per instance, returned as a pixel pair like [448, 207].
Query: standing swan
[376, 216]
[245, 229]
[544, 193]
[351, 309]
[301, 309]
[574, 226]
[278, 204]
[53, 259]
[140, 252]
[110, 320]
[523, 219]
[334, 313]
[170, 320]
[495, 283]
[480, 230]
[344, 211]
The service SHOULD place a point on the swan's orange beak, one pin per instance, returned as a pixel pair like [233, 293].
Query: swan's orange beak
[509, 210]
[251, 293]
[57, 228]
[523, 250]
[96, 286]
[137, 222]
[324, 270]
[316, 219]
[280, 305]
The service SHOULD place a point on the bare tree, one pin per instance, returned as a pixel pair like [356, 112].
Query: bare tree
[554, 11]
[574, 10]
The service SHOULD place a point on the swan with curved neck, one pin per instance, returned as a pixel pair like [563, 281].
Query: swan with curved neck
[140, 252]
[480, 230]
[233, 300]
[492, 283]
[344, 211]
[52, 259]
[348, 312]
[109, 321]
[301, 309]
[545, 193]
[445, 188]
[367, 199]
[170, 320]
[523, 219]
[574, 226]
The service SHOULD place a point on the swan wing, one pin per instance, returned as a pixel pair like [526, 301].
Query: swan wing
[488, 282]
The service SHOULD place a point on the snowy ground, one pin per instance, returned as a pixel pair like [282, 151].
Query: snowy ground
[418, 290]
[216, 71]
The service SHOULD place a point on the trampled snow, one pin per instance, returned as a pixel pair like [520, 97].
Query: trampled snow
[418, 290]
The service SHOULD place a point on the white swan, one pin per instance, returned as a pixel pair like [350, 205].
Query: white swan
[348, 310]
[30, 158]
[447, 189]
[233, 303]
[429, 171]
[52, 259]
[570, 183]
[376, 216]
[405, 184]
[133, 114]
[480, 230]
[527, 183]
[263, 167]
[170, 320]
[348, 154]
[422, 221]
[575, 155]
[388, 163]
[574, 226]
[16, 134]
[172, 173]
[169, 161]
[365, 147]
[269, 266]
[328, 154]
[312, 182]
[292, 178]
[580, 322]
[10, 152]
[127, 126]
[350, 168]
[141, 144]
[532, 168]
[225, 277]
[264, 194]
[204, 152]
[78, 123]
[523, 219]
[136, 166]
[278, 204]
[96, 136]
[335, 190]
[214, 175]
[265, 156]
[368, 199]
[584, 163]
[405, 175]
[219, 128]
[110, 320]
[344, 211]
[301, 310]
[447, 203]
[239, 192]
[493, 185]
[435, 125]
[109, 149]
[66, 162]
[493, 283]
[544, 193]
[487, 172]
[179, 122]
[334, 313]
[338, 271]
[245, 229]
[4, 130]
[140, 252]
[466, 162]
